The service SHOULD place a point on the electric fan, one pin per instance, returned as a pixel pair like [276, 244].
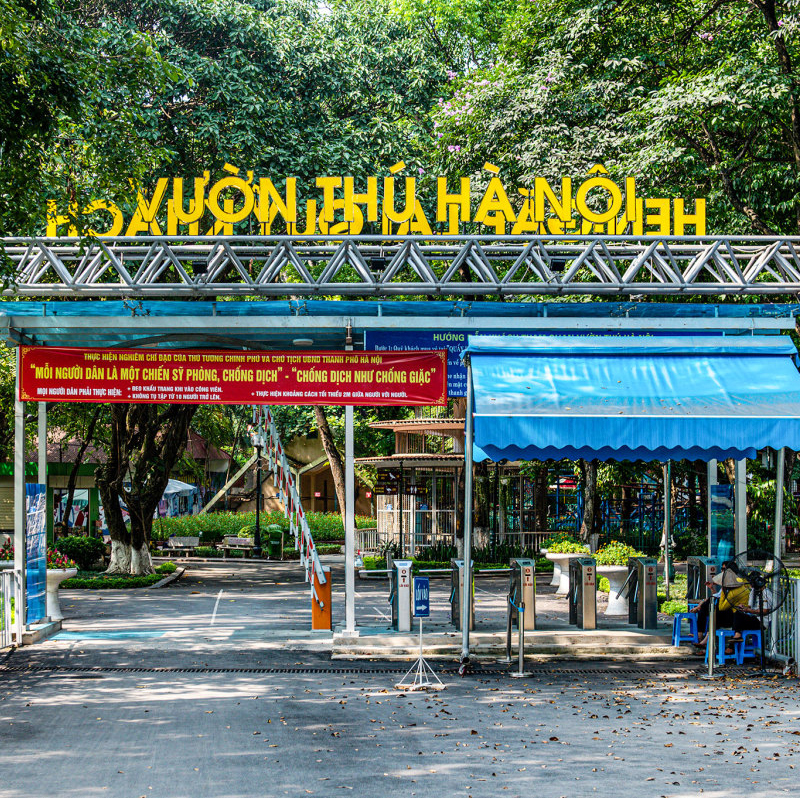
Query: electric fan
[759, 580]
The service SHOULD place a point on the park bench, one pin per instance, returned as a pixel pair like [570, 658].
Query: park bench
[232, 543]
[182, 543]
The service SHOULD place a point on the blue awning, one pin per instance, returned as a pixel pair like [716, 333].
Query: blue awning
[541, 398]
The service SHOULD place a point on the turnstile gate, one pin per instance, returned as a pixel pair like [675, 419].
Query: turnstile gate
[700, 570]
[583, 592]
[400, 595]
[457, 576]
[643, 592]
[522, 590]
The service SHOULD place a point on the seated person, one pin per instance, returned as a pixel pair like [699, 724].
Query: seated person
[749, 616]
[725, 613]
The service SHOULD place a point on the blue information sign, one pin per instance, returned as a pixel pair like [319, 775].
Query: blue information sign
[36, 550]
[422, 597]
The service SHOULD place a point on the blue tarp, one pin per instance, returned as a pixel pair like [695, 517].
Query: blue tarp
[645, 398]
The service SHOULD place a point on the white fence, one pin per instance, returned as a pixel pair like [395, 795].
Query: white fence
[7, 581]
[785, 626]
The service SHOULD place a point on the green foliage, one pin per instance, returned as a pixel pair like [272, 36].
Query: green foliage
[374, 563]
[328, 548]
[689, 543]
[166, 568]
[212, 527]
[603, 585]
[557, 538]
[673, 607]
[86, 551]
[677, 588]
[616, 553]
[568, 547]
[207, 552]
[705, 111]
[90, 580]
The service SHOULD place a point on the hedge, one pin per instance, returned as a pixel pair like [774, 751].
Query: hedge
[212, 527]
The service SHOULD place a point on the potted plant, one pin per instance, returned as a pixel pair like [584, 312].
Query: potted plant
[612, 563]
[59, 568]
[547, 544]
[560, 553]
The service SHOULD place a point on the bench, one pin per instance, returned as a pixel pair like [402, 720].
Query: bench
[231, 543]
[182, 543]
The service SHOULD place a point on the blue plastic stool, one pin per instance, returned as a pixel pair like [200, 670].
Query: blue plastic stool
[722, 657]
[678, 636]
[750, 645]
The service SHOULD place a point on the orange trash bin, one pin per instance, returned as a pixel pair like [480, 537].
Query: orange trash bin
[321, 616]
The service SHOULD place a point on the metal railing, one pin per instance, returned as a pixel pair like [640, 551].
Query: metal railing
[293, 507]
[7, 593]
[385, 265]
[785, 627]
[368, 539]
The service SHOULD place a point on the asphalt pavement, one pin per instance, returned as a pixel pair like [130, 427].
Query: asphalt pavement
[184, 692]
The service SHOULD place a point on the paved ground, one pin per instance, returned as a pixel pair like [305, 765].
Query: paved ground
[143, 696]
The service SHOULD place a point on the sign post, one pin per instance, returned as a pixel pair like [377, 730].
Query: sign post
[421, 670]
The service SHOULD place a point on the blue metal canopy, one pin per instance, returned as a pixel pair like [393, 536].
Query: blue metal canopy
[642, 398]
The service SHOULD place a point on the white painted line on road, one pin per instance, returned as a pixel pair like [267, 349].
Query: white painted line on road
[216, 604]
[382, 614]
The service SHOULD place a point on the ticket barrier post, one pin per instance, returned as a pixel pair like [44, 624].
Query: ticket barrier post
[700, 570]
[457, 591]
[400, 595]
[647, 592]
[516, 606]
[583, 592]
[631, 585]
[522, 583]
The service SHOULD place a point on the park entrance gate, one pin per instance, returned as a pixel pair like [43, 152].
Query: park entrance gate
[360, 273]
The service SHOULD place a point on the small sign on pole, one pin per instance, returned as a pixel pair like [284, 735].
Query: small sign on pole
[424, 676]
[422, 597]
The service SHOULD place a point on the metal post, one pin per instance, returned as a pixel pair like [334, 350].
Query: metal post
[740, 503]
[257, 538]
[667, 522]
[400, 496]
[20, 547]
[711, 479]
[42, 478]
[777, 545]
[349, 523]
[465, 599]
[712, 639]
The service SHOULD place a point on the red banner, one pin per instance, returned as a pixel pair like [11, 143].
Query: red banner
[192, 376]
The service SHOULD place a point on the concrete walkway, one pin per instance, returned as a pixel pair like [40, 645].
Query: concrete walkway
[187, 692]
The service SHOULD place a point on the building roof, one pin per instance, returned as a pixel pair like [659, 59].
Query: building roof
[415, 460]
[427, 425]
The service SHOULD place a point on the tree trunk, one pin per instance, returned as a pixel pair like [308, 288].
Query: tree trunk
[73, 474]
[334, 458]
[147, 441]
[730, 469]
[589, 521]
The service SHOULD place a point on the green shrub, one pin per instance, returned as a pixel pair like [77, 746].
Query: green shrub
[556, 539]
[328, 548]
[109, 582]
[166, 568]
[374, 563]
[673, 607]
[603, 585]
[212, 527]
[207, 551]
[568, 547]
[616, 553]
[84, 550]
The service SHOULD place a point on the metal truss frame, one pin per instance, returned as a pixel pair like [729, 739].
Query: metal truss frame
[386, 266]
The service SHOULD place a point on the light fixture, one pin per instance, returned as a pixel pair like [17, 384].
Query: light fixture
[303, 341]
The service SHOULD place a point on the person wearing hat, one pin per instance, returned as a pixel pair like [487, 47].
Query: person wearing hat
[725, 612]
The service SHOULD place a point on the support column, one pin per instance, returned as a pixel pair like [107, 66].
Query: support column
[712, 477]
[667, 523]
[740, 505]
[466, 597]
[42, 478]
[349, 525]
[21, 601]
[777, 544]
